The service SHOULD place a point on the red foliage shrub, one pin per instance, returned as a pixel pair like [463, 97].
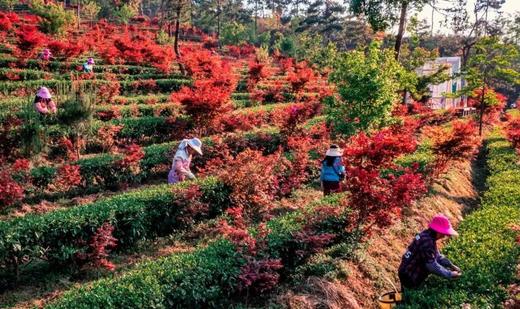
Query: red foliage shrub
[253, 178]
[240, 51]
[378, 197]
[110, 114]
[189, 201]
[209, 42]
[454, 144]
[259, 276]
[9, 138]
[237, 231]
[286, 64]
[107, 136]
[29, 39]
[131, 161]
[5, 22]
[144, 85]
[132, 46]
[494, 103]
[418, 108]
[200, 63]
[244, 121]
[274, 93]
[513, 133]
[67, 145]
[257, 71]
[295, 115]
[20, 165]
[12, 75]
[10, 191]
[106, 92]
[300, 78]
[312, 241]
[380, 149]
[377, 200]
[66, 49]
[204, 102]
[97, 255]
[68, 176]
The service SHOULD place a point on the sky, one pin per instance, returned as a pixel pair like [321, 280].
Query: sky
[510, 7]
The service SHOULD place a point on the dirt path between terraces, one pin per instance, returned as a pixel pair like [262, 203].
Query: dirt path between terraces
[454, 195]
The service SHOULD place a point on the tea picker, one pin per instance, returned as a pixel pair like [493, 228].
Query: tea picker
[43, 103]
[88, 66]
[332, 170]
[422, 257]
[180, 169]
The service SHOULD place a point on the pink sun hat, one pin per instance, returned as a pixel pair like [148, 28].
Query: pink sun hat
[441, 224]
[90, 60]
[44, 93]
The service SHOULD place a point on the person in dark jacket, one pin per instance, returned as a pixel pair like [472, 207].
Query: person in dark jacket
[332, 170]
[422, 257]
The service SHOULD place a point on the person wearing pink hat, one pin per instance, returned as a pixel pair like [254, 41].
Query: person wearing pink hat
[43, 102]
[46, 55]
[88, 66]
[422, 257]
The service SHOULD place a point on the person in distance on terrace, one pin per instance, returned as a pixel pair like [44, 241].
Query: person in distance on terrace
[180, 170]
[422, 257]
[332, 170]
[88, 66]
[46, 55]
[43, 102]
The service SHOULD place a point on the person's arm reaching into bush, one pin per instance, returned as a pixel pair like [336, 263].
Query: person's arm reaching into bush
[41, 108]
[52, 107]
[431, 257]
[182, 170]
[446, 263]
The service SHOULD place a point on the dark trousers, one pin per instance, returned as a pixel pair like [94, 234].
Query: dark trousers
[330, 187]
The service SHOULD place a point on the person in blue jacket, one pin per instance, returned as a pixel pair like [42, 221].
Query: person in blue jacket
[332, 170]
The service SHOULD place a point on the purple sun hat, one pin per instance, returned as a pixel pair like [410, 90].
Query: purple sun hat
[441, 224]
[44, 93]
[90, 60]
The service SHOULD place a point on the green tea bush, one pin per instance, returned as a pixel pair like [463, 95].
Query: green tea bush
[127, 86]
[207, 277]
[201, 279]
[101, 172]
[57, 236]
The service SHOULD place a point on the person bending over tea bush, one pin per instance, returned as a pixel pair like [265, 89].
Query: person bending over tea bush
[182, 160]
[43, 102]
[422, 257]
[88, 66]
[46, 55]
[332, 170]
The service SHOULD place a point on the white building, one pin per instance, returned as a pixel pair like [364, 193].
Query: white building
[439, 98]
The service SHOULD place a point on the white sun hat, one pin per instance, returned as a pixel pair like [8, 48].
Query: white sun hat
[196, 145]
[334, 151]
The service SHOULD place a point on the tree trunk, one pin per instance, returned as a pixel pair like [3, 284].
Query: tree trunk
[482, 109]
[400, 33]
[256, 17]
[176, 40]
[218, 22]
[79, 14]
